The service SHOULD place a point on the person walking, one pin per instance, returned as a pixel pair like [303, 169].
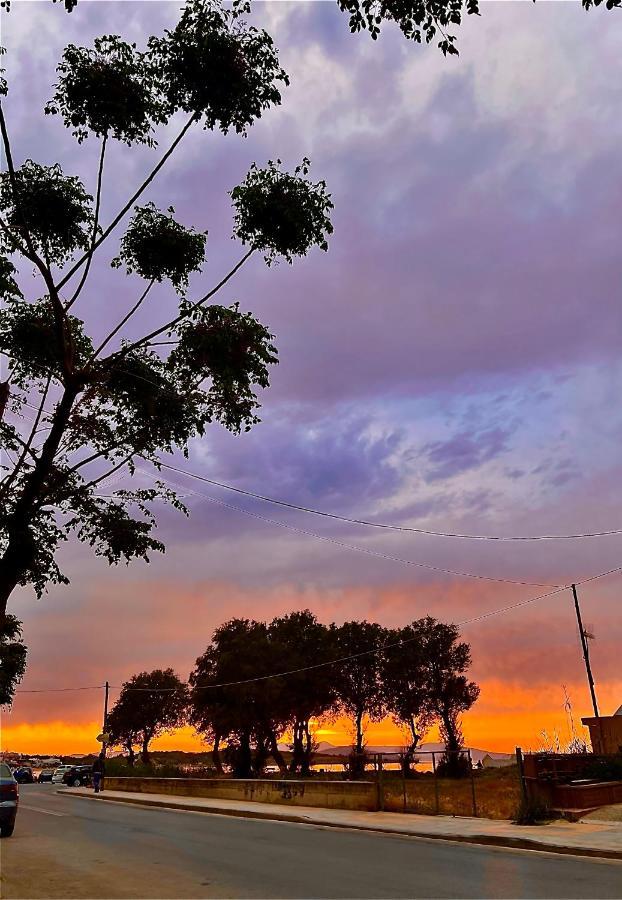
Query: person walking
[98, 770]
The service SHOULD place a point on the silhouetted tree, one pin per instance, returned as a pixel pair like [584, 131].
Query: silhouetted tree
[357, 681]
[103, 400]
[13, 655]
[449, 691]
[150, 704]
[124, 729]
[418, 20]
[423, 20]
[302, 641]
[228, 704]
[405, 685]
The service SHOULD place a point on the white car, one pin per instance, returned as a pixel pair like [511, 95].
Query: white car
[57, 777]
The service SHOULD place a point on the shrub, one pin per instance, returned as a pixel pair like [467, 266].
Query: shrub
[355, 766]
[605, 768]
[454, 765]
[532, 812]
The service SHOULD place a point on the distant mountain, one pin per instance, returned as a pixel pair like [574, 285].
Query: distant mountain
[327, 749]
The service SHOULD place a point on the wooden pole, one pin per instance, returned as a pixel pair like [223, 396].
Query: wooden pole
[521, 775]
[472, 784]
[586, 651]
[435, 782]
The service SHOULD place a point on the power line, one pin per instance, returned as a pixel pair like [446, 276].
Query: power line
[350, 520]
[370, 524]
[333, 662]
[91, 687]
[371, 651]
[376, 553]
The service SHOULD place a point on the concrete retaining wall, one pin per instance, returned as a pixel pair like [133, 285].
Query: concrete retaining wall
[356, 795]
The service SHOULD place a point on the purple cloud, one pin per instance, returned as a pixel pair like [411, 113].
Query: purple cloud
[464, 451]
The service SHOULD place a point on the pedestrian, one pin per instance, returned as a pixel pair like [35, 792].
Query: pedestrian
[98, 770]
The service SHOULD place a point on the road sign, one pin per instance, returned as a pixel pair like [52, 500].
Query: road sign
[103, 738]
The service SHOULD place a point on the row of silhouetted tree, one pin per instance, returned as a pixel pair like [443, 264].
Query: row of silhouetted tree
[258, 683]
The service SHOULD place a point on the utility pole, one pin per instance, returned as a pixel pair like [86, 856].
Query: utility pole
[105, 725]
[586, 651]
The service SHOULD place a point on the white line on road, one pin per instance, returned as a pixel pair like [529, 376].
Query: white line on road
[49, 812]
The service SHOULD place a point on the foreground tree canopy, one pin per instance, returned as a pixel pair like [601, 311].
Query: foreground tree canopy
[78, 407]
[418, 20]
[12, 658]
[258, 683]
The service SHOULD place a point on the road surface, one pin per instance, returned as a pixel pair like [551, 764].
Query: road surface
[71, 847]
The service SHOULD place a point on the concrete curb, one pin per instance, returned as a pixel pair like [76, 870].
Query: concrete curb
[484, 839]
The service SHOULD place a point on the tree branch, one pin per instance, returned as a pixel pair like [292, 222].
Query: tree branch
[59, 311]
[122, 322]
[23, 250]
[26, 445]
[127, 206]
[184, 315]
[110, 472]
[85, 274]
[22, 443]
[95, 456]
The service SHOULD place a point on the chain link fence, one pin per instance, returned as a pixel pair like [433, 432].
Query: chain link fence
[425, 785]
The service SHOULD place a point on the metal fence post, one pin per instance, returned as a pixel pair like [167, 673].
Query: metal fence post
[435, 782]
[403, 767]
[472, 783]
[521, 774]
[380, 783]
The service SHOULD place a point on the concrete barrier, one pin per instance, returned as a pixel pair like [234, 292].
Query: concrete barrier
[354, 795]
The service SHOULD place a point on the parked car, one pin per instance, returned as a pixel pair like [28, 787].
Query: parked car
[57, 777]
[45, 775]
[9, 799]
[77, 776]
[23, 775]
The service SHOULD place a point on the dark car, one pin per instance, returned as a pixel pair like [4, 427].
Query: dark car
[23, 775]
[77, 776]
[45, 775]
[9, 798]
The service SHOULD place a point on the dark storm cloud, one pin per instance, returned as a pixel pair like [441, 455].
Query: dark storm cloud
[464, 451]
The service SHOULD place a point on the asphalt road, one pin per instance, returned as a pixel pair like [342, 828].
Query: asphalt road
[69, 847]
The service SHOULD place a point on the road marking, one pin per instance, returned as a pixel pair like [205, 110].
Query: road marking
[49, 812]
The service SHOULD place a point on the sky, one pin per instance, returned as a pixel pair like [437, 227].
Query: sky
[452, 363]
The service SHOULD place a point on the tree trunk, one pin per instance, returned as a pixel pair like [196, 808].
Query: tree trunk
[456, 764]
[20, 550]
[297, 748]
[16, 560]
[4, 396]
[144, 754]
[242, 767]
[409, 756]
[359, 731]
[216, 757]
[261, 756]
[305, 767]
[453, 738]
[413, 734]
[276, 754]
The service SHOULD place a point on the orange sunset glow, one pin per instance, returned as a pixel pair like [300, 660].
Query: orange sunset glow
[521, 660]
[504, 718]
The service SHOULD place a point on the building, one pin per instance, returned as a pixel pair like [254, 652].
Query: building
[605, 733]
[496, 762]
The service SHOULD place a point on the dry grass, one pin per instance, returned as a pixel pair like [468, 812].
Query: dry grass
[497, 794]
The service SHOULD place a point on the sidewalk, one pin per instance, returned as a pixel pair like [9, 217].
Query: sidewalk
[579, 838]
